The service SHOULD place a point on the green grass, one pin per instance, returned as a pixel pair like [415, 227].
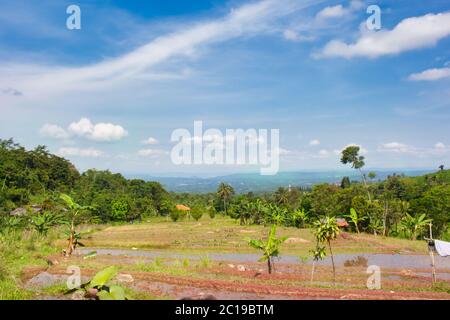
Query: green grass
[20, 249]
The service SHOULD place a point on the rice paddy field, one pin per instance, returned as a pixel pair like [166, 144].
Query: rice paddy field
[211, 258]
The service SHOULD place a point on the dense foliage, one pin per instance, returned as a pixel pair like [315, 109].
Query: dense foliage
[398, 206]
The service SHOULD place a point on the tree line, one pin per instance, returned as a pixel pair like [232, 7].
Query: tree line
[398, 206]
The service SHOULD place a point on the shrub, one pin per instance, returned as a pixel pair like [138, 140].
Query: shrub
[212, 212]
[175, 215]
[196, 213]
[119, 209]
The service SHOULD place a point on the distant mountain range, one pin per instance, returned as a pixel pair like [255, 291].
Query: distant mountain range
[245, 182]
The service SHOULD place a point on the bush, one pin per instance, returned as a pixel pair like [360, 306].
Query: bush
[212, 212]
[196, 213]
[175, 215]
[119, 210]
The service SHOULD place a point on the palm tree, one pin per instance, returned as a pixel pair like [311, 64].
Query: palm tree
[225, 192]
[282, 196]
[74, 210]
[415, 224]
[326, 231]
[270, 248]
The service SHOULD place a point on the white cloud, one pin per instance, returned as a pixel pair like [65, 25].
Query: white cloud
[409, 34]
[81, 128]
[151, 152]
[332, 12]
[53, 131]
[323, 153]
[440, 146]
[396, 147]
[292, 35]
[314, 142]
[78, 152]
[339, 11]
[97, 132]
[283, 152]
[430, 75]
[150, 141]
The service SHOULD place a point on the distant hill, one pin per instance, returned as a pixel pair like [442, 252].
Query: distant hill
[245, 182]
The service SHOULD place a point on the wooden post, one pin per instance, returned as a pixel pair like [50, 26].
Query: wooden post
[433, 269]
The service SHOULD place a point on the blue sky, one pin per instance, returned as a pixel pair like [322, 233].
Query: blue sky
[110, 95]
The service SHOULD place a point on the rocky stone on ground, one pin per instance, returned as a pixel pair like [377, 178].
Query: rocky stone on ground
[125, 278]
[240, 267]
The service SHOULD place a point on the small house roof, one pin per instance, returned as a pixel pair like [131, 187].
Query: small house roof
[341, 222]
[182, 207]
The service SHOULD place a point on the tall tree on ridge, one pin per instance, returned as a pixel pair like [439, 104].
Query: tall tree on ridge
[351, 155]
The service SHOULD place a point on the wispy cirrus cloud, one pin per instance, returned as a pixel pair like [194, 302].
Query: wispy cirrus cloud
[152, 152]
[245, 21]
[402, 148]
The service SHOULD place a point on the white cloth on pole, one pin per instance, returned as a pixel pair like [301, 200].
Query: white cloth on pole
[442, 248]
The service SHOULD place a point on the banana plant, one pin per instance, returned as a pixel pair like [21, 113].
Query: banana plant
[414, 225]
[43, 222]
[74, 210]
[299, 218]
[355, 219]
[99, 287]
[270, 248]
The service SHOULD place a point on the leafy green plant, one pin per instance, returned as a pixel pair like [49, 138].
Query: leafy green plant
[205, 262]
[318, 254]
[355, 218]
[119, 209]
[175, 214]
[270, 248]
[211, 212]
[74, 212]
[196, 213]
[414, 224]
[299, 218]
[8, 224]
[43, 222]
[99, 287]
[326, 231]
